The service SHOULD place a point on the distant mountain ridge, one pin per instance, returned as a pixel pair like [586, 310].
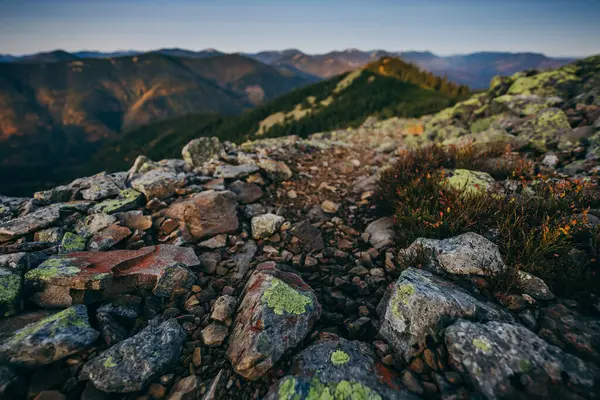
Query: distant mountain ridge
[474, 70]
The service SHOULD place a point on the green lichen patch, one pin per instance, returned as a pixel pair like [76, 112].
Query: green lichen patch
[545, 83]
[51, 269]
[339, 357]
[482, 344]
[53, 324]
[287, 390]
[343, 390]
[109, 362]
[470, 181]
[282, 297]
[72, 242]
[10, 291]
[127, 200]
[525, 366]
[402, 296]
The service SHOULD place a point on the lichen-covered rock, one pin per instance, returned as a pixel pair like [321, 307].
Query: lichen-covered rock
[509, 361]
[100, 187]
[202, 150]
[277, 311]
[419, 304]
[93, 224]
[336, 368]
[522, 104]
[174, 280]
[381, 232]
[464, 254]
[50, 339]
[158, 184]
[11, 287]
[37, 220]
[132, 364]
[72, 242]
[128, 199]
[549, 83]
[108, 237]
[470, 181]
[545, 130]
[264, 226]
[206, 214]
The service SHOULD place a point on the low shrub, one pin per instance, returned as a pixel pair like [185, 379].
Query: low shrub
[537, 230]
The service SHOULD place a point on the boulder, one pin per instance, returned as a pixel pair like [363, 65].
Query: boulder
[50, 339]
[336, 368]
[108, 237]
[202, 150]
[505, 361]
[278, 309]
[381, 232]
[465, 254]
[158, 184]
[275, 170]
[72, 242]
[100, 187]
[92, 224]
[420, 304]
[205, 214]
[264, 226]
[534, 286]
[132, 364]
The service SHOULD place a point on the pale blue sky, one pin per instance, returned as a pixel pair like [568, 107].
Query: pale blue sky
[553, 27]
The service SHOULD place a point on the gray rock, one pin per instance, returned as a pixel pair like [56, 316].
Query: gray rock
[381, 232]
[243, 257]
[174, 280]
[93, 224]
[50, 339]
[550, 160]
[509, 361]
[275, 170]
[100, 187]
[264, 226]
[336, 368]
[246, 193]
[309, 234]
[132, 364]
[158, 184]
[420, 304]
[235, 171]
[35, 221]
[534, 286]
[202, 150]
[186, 389]
[214, 334]
[277, 311]
[465, 254]
[224, 308]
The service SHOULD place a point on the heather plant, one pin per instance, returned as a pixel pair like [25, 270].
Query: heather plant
[537, 230]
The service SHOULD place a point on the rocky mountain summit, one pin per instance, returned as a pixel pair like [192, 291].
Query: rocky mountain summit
[355, 264]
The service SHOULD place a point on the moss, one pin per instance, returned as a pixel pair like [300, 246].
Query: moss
[482, 344]
[339, 357]
[54, 323]
[72, 242]
[109, 362]
[281, 297]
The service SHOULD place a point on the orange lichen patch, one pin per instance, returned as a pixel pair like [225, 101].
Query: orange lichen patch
[415, 129]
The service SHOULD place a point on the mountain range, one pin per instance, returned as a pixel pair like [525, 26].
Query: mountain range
[474, 70]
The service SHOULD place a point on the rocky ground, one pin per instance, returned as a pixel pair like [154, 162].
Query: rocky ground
[266, 270]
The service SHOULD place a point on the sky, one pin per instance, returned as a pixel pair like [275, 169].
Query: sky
[552, 27]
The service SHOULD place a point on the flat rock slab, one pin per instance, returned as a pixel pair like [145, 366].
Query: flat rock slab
[38, 220]
[465, 254]
[158, 183]
[132, 364]
[277, 311]
[91, 270]
[206, 214]
[335, 368]
[420, 304]
[50, 339]
[235, 171]
[507, 361]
